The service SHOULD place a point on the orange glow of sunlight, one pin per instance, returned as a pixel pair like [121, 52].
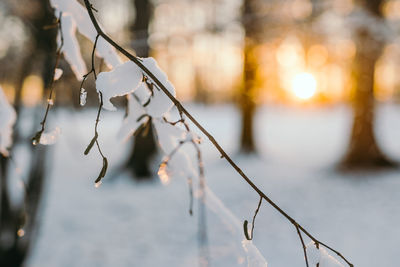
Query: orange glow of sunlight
[32, 90]
[304, 85]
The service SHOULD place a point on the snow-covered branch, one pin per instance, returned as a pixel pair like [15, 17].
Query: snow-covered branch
[182, 110]
[150, 98]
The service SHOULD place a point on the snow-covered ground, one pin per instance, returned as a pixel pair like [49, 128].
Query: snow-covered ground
[125, 223]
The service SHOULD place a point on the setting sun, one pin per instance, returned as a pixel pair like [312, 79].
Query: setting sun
[304, 85]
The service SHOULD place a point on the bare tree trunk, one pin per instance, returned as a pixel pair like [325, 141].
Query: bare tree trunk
[200, 94]
[144, 145]
[363, 149]
[248, 91]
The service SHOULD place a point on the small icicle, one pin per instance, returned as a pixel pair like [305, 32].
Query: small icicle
[82, 97]
[98, 184]
[57, 73]
[34, 142]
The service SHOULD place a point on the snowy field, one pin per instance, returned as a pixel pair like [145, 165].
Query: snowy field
[125, 223]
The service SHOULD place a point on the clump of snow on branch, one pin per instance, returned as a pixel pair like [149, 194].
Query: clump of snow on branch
[169, 136]
[145, 100]
[122, 80]
[70, 48]
[321, 256]
[156, 103]
[176, 162]
[160, 102]
[7, 120]
[142, 93]
[51, 137]
[178, 165]
[75, 18]
[57, 73]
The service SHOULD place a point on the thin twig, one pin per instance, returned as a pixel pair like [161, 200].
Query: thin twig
[50, 101]
[203, 238]
[96, 133]
[182, 109]
[303, 245]
[317, 246]
[253, 222]
[92, 69]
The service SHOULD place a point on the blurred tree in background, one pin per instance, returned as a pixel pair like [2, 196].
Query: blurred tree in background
[248, 93]
[18, 222]
[144, 146]
[363, 149]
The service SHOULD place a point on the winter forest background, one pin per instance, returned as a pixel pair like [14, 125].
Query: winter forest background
[302, 94]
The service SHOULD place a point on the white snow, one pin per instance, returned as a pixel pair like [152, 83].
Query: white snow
[159, 103]
[122, 80]
[142, 93]
[71, 48]
[133, 119]
[254, 257]
[124, 223]
[75, 17]
[321, 256]
[50, 102]
[327, 260]
[179, 161]
[232, 223]
[181, 165]
[7, 120]
[313, 254]
[51, 137]
[57, 73]
[168, 136]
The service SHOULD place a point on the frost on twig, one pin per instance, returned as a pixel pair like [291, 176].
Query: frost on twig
[8, 117]
[319, 256]
[49, 138]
